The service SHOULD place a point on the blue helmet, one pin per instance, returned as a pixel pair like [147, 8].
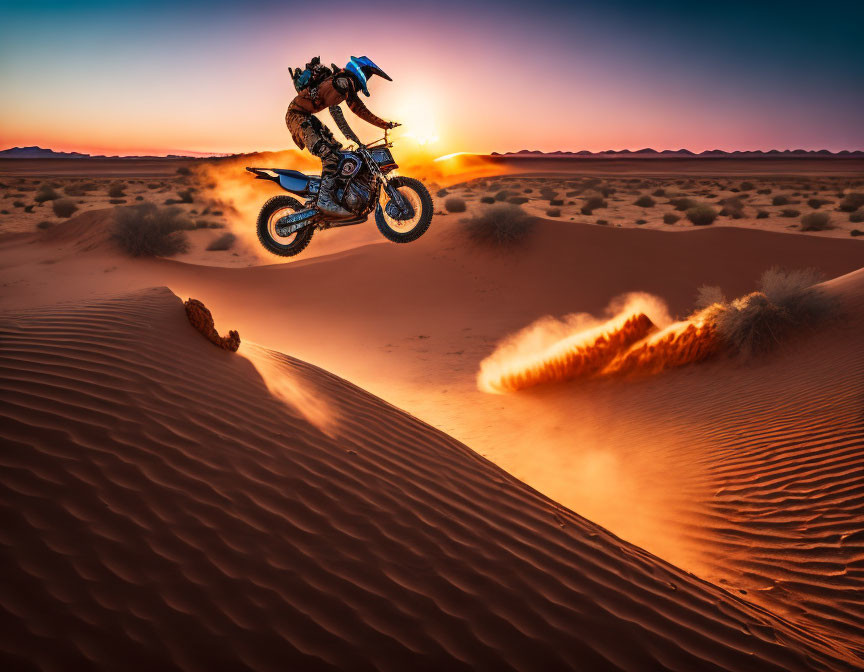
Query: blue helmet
[363, 68]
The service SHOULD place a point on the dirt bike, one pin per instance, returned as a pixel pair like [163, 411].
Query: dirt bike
[402, 205]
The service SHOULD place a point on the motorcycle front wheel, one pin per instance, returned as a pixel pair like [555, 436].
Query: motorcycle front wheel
[407, 230]
[285, 246]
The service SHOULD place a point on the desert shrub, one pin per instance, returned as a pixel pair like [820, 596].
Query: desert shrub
[786, 301]
[29, 208]
[442, 193]
[116, 190]
[659, 192]
[762, 214]
[501, 226]
[553, 212]
[517, 200]
[856, 232]
[683, 204]
[556, 201]
[747, 186]
[117, 201]
[149, 231]
[184, 170]
[502, 195]
[851, 202]
[64, 207]
[45, 225]
[18, 204]
[701, 215]
[817, 203]
[790, 212]
[816, 221]
[548, 193]
[204, 224]
[455, 204]
[857, 217]
[487, 199]
[670, 218]
[763, 191]
[640, 222]
[153, 185]
[780, 200]
[644, 202]
[603, 222]
[222, 243]
[592, 203]
[732, 207]
[185, 195]
[46, 193]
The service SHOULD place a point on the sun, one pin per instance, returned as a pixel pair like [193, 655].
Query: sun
[416, 112]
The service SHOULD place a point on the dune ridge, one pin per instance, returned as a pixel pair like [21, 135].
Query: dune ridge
[166, 511]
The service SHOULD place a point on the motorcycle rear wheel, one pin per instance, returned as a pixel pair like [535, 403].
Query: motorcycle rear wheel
[411, 229]
[270, 213]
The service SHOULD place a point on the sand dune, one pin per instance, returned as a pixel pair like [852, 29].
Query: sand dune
[165, 510]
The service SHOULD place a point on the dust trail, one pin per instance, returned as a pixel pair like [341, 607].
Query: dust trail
[578, 346]
[226, 185]
[288, 388]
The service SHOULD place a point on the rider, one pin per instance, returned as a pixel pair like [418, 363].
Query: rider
[307, 130]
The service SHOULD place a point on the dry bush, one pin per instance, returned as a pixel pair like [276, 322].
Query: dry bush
[455, 204]
[780, 200]
[592, 203]
[732, 207]
[762, 214]
[553, 212]
[487, 199]
[857, 217]
[817, 203]
[46, 193]
[851, 202]
[670, 218]
[683, 204]
[117, 190]
[64, 207]
[659, 192]
[186, 195]
[701, 215]
[816, 221]
[502, 225]
[747, 186]
[442, 193]
[556, 201]
[790, 212]
[222, 243]
[184, 170]
[47, 224]
[517, 200]
[786, 302]
[644, 202]
[149, 231]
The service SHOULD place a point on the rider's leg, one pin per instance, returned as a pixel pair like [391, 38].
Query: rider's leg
[322, 144]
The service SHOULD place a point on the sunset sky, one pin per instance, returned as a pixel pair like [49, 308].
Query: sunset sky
[161, 77]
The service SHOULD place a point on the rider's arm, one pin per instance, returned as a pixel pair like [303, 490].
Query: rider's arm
[357, 107]
[342, 124]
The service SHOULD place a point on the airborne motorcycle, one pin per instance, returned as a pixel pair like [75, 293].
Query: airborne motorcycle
[402, 205]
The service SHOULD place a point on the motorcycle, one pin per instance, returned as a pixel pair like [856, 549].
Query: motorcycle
[402, 205]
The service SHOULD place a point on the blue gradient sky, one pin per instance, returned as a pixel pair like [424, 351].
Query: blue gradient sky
[482, 76]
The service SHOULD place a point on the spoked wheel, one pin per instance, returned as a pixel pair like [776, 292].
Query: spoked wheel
[271, 212]
[405, 230]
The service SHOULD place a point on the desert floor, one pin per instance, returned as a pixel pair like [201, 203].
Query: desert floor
[708, 517]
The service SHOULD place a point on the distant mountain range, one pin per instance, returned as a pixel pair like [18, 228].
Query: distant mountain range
[648, 153]
[40, 153]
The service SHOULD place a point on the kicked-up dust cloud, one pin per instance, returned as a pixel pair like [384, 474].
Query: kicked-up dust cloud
[638, 337]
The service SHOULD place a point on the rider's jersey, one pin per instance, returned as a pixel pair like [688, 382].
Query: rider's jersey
[332, 91]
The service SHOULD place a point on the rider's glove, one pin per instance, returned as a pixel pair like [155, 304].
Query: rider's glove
[392, 124]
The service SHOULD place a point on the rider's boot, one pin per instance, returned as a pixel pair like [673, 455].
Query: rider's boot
[327, 199]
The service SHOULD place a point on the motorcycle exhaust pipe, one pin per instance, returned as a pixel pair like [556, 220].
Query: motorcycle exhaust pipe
[292, 223]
